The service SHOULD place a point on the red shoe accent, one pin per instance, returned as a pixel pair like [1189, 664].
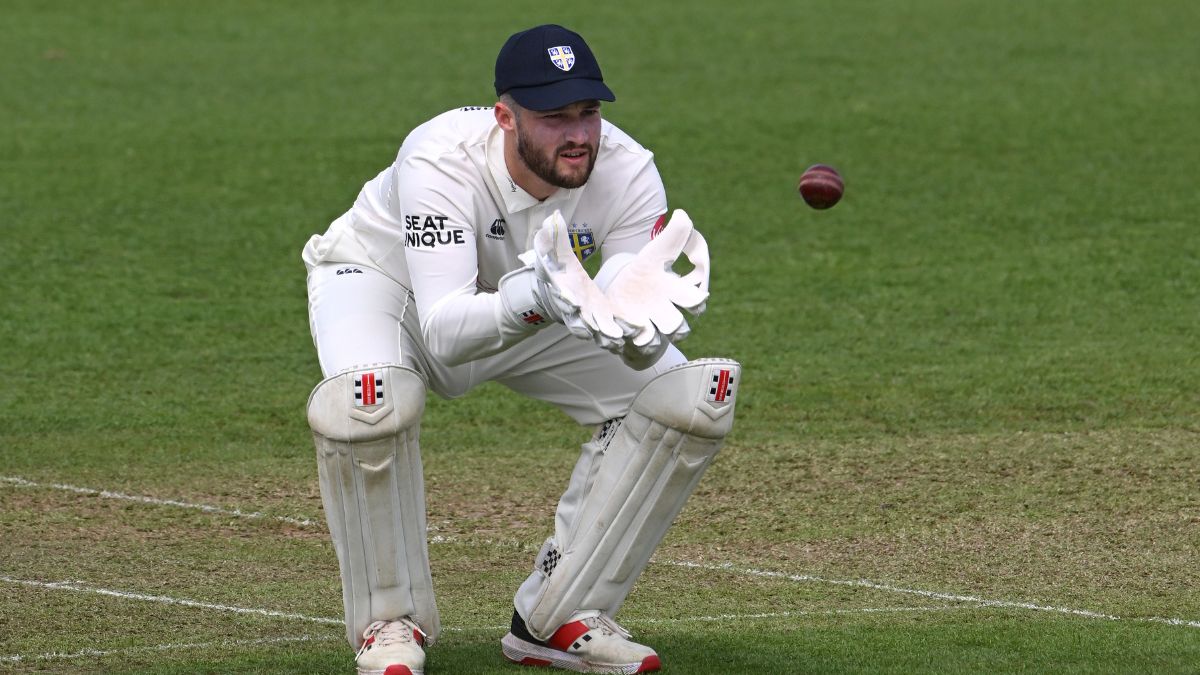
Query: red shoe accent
[397, 669]
[649, 664]
[567, 634]
[530, 661]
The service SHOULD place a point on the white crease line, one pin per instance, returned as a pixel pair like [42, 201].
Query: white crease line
[982, 602]
[21, 482]
[802, 612]
[79, 586]
[84, 588]
[745, 617]
[227, 644]
[18, 658]
[727, 567]
[512, 543]
[167, 600]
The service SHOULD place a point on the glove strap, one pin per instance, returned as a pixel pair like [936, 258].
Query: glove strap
[519, 294]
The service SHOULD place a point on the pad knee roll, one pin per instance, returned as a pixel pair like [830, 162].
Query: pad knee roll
[367, 405]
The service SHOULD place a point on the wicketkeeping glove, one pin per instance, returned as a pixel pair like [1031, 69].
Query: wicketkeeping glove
[646, 295]
[566, 291]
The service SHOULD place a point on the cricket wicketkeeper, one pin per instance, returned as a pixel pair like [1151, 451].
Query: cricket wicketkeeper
[461, 263]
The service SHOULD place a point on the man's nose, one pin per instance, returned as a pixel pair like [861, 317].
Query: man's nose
[578, 133]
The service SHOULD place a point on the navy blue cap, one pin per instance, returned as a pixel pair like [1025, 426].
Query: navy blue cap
[549, 67]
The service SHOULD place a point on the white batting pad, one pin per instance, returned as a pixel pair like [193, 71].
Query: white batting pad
[652, 464]
[366, 425]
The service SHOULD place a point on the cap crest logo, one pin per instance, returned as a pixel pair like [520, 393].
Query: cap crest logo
[562, 57]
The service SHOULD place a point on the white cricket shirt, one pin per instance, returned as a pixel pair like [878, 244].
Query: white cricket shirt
[446, 221]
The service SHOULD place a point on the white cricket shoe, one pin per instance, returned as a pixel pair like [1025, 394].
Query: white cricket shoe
[590, 644]
[392, 648]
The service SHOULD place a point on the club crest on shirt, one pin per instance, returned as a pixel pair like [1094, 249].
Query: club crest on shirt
[583, 242]
[562, 57]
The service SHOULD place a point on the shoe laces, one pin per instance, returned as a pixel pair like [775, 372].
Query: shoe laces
[392, 632]
[607, 626]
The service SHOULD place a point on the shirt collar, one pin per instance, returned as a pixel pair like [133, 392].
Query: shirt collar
[515, 197]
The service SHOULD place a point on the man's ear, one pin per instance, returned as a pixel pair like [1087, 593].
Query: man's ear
[506, 117]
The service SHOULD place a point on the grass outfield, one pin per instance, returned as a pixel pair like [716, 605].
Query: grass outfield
[968, 436]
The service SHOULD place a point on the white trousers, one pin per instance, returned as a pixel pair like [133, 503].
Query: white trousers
[360, 317]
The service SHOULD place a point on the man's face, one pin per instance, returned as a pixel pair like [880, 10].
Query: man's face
[560, 146]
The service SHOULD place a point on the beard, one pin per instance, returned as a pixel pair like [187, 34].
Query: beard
[546, 168]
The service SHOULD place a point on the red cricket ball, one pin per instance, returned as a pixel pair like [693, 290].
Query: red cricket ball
[821, 186]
